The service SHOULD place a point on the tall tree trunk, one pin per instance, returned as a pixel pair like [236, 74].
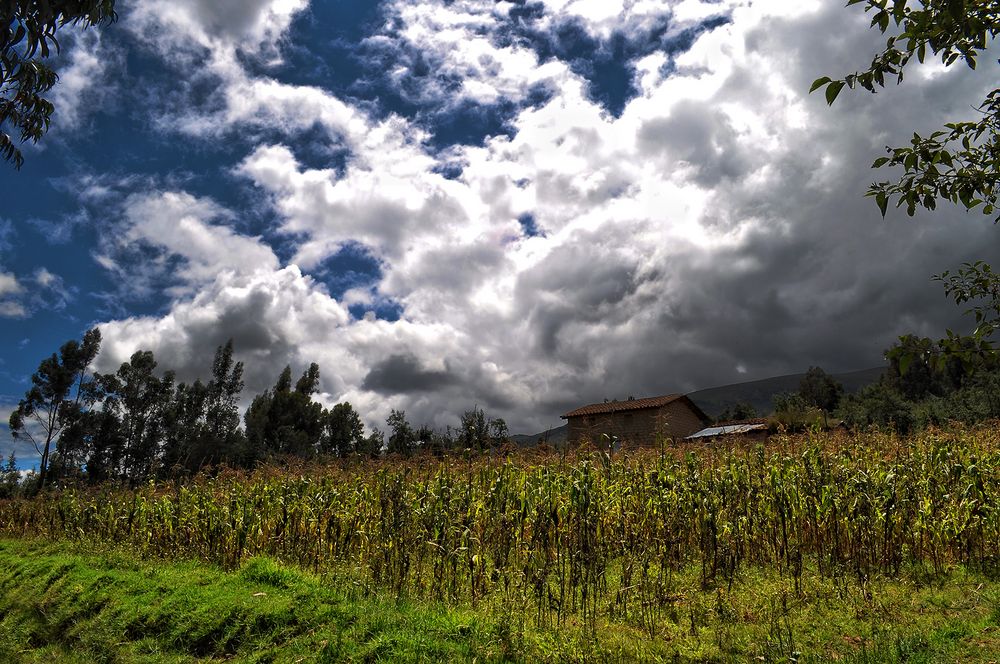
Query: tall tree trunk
[43, 466]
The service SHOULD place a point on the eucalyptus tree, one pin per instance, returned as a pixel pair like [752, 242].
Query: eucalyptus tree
[285, 420]
[62, 390]
[402, 437]
[139, 401]
[202, 424]
[343, 432]
[818, 388]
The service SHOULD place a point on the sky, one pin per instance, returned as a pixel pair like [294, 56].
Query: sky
[521, 206]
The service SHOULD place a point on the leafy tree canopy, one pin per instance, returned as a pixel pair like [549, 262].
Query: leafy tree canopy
[139, 402]
[818, 388]
[285, 420]
[402, 437]
[741, 410]
[344, 432]
[60, 390]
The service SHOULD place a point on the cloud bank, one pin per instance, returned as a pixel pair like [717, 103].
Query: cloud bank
[653, 204]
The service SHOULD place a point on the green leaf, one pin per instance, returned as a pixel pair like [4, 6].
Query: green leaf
[882, 201]
[957, 9]
[832, 91]
[880, 162]
[818, 83]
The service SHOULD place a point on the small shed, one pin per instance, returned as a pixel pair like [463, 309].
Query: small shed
[756, 428]
[636, 421]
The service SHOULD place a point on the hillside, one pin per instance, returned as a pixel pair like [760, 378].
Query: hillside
[758, 393]
[551, 436]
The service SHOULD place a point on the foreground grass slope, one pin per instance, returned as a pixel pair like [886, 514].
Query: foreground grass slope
[60, 605]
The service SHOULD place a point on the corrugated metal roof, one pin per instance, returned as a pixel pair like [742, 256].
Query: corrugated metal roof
[754, 420]
[618, 406]
[726, 430]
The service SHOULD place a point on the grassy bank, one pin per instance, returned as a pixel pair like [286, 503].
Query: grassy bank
[58, 604]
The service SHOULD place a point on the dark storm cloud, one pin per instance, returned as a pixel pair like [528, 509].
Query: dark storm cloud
[579, 282]
[816, 278]
[697, 134]
[451, 271]
[247, 324]
[403, 374]
[437, 397]
[267, 318]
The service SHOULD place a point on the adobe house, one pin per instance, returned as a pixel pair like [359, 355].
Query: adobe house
[637, 421]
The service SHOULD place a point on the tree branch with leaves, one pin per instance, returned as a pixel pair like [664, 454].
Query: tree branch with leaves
[961, 162]
[27, 36]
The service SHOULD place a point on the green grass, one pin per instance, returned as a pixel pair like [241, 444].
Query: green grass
[60, 604]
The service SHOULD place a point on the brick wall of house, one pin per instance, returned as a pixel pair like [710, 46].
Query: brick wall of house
[579, 430]
[681, 421]
[643, 427]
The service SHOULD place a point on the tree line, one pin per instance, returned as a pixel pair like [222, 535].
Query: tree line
[137, 423]
[929, 382]
[925, 383]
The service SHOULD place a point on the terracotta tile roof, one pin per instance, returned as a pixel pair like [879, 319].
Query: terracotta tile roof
[618, 406]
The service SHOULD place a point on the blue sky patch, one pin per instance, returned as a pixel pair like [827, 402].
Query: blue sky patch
[351, 267]
[386, 310]
[529, 225]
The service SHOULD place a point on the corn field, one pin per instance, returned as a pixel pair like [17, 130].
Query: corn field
[590, 535]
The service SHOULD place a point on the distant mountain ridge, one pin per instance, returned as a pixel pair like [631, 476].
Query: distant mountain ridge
[714, 400]
[552, 437]
[758, 393]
